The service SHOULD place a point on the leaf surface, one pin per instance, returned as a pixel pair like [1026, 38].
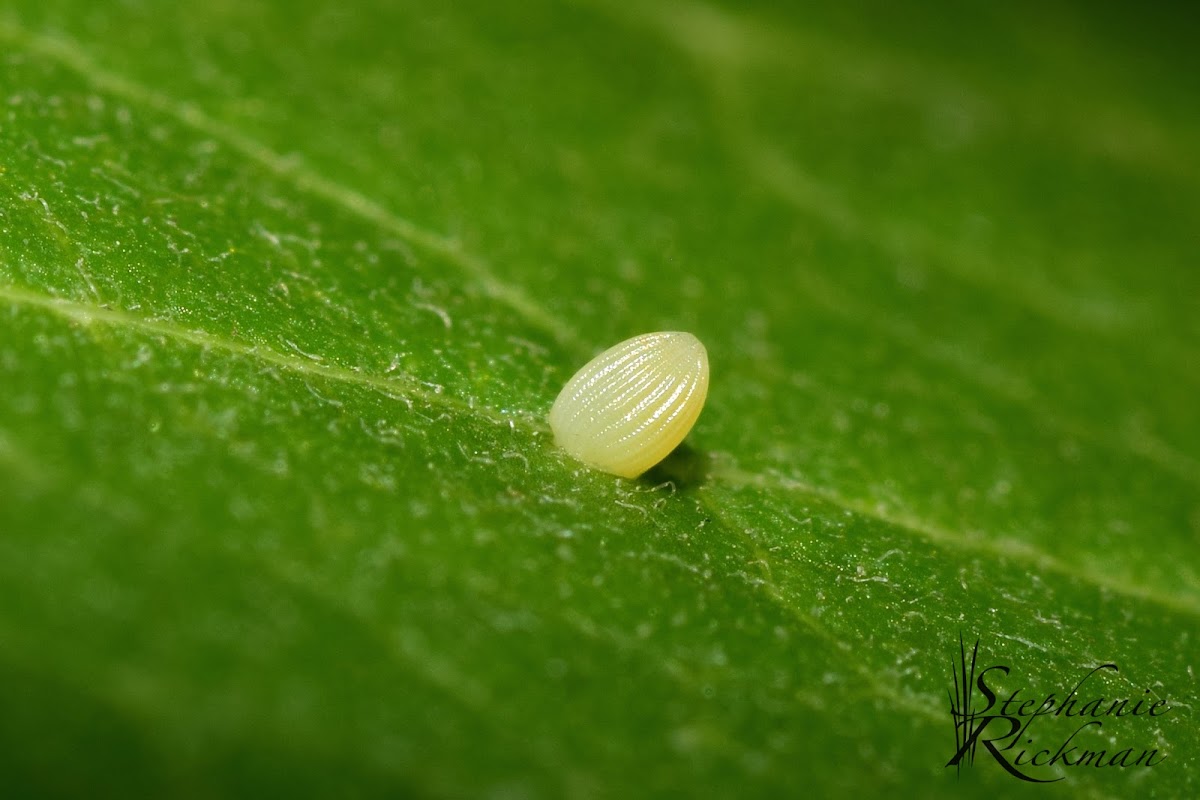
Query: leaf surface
[287, 289]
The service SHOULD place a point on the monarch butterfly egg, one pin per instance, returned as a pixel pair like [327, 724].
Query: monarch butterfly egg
[634, 403]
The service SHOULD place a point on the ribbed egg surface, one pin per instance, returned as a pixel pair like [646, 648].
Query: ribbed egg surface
[634, 403]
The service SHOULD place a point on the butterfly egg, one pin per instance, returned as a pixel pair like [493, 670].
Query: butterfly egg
[634, 403]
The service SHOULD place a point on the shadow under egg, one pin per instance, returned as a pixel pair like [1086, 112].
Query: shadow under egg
[685, 466]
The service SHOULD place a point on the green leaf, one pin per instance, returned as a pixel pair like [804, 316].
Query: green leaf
[287, 289]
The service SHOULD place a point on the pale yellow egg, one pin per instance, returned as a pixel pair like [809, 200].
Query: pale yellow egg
[634, 403]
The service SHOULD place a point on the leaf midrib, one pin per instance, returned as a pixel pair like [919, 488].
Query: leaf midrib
[401, 386]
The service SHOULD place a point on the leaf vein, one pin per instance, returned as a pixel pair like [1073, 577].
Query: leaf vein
[70, 55]
[399, 386]
[1013, 550]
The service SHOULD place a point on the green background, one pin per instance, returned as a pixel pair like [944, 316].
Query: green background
[287, 289]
